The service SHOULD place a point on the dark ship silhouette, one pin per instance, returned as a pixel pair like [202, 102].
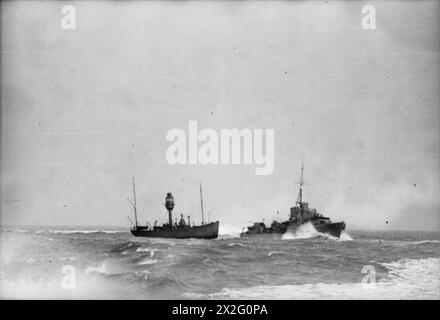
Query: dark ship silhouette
[299, 215]
[181, 230]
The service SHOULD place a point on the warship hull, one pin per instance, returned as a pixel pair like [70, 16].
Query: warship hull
[334, 229]
[206, 231]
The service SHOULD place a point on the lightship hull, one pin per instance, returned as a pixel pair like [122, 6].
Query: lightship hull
[206, 231]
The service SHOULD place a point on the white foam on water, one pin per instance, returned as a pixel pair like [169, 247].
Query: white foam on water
[147, 249]
[345, 236]
[67, 231]
[30, 287]
[66, 258]
[226, 237]
[111, 231]
[229, 231]
[19, 230]
[270, 254]
[61, 231]
[147, 261]
[304, 231]
[307, 231]
[143, 273]
[170, 242]
[424, 242]
[236, 244]
[14, 229]
[407, 279]
[102, 268]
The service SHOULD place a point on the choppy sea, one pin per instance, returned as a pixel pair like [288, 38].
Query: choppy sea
[108, 263]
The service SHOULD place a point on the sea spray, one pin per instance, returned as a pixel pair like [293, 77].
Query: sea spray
[304, 231]
[345, 236]
[229, 230]
[307, 231]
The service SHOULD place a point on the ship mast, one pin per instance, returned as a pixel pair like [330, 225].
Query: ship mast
[134, 205]
[201, 204]
[301, 182]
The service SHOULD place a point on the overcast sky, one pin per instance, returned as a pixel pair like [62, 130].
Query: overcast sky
[84, 110]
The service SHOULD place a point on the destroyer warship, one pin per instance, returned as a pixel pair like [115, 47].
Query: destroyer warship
[300, 214]
[181, 230]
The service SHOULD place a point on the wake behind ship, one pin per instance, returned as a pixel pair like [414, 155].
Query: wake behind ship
[299, 215]
[181, 230]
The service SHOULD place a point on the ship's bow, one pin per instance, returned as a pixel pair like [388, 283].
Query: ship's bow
[334, 229]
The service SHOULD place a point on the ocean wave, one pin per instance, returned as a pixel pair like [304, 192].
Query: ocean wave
[401, 243]
[125, 247]
[227, 236]
[304, 231]
[407, 279]
[14, 230]
[102, 268]
[79, 231]
[147, 249]
[67, 258]
[270, 254]
[236, 244]
[150, 250]
[147, 261]
[143, 274]
[164, 241]
[424, 242]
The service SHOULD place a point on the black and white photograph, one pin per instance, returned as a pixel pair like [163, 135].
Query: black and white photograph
[220, 150]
